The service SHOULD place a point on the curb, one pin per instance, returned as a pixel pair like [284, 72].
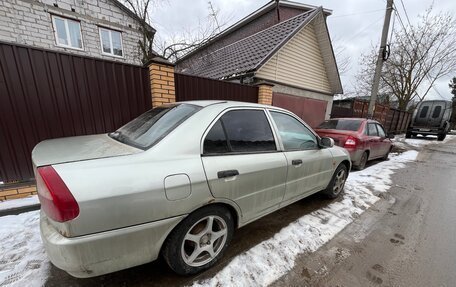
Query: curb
[19, 210]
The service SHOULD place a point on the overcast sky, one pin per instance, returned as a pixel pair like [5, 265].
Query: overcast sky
[355, 25]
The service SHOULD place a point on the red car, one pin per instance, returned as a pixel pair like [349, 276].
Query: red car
[364, 139]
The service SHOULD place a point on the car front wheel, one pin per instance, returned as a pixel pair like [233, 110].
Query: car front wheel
[199, 240]
[337, 183]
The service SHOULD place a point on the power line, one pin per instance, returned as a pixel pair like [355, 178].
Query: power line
[359, 13]
[405, 11]
[363, 29]
[438, 93]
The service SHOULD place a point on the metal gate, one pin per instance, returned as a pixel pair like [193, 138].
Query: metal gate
[45, 94]
[190, 88]
[310, 110]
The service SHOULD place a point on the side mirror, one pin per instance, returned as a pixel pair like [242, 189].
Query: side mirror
[391, 135]
[327, 142]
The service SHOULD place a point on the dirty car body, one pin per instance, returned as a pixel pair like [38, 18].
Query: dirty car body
[364, 139]
[431, 118]
[176, 181]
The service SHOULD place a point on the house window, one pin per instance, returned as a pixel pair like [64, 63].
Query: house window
[111, 42]
[67, 32]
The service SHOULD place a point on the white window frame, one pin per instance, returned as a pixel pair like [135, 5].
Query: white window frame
[67, 30]
[110, 42]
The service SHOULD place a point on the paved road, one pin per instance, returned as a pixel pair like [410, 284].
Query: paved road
[406, 240]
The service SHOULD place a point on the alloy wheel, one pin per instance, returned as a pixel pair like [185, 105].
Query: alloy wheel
[339, 181]
[204, 241]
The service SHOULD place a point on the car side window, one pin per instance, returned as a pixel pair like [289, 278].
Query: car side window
[424, 111]
[381, 131]
[248, 131]
[372, 130]
[294, 135]
[240, 131]
[436, 112]
[216, 141]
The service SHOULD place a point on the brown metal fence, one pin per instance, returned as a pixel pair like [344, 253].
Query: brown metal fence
[190, 88]
[45, 94]
[394, 120]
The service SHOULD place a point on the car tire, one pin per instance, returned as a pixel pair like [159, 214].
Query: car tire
[441, 137]
[408, 135]
[362, 161]
[337, 183]
[191, 247]
[385, 157]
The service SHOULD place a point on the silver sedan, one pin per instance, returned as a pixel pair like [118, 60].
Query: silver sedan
[176, 182]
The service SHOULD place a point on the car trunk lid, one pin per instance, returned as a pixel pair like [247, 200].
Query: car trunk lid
[70, 149]
[339, 136]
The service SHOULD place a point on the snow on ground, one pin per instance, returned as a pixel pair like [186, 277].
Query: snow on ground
[15, 203]
[23, 261]
[273, 258]
[401, 142]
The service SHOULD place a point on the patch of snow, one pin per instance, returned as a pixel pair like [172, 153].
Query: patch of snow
[21, 202]
[23, 261]
[273, 258]
[419, 142]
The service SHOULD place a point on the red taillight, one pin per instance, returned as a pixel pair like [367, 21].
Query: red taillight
[55, 197]
[351, 142]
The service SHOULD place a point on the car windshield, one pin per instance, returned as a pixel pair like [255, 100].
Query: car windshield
[149, 128]
[345, 125]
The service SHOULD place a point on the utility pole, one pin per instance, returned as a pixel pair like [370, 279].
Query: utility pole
[380, 59]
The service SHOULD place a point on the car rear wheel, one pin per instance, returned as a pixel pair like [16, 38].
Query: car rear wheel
[337, 183]
[199, 240]
[441, 137]
[385, 157]
[362, 161]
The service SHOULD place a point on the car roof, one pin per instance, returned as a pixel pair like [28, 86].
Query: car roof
[359, 119]
[229, 104]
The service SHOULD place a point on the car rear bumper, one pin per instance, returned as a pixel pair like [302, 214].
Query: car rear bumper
[355, 155]
[105, 252]
[426, 131]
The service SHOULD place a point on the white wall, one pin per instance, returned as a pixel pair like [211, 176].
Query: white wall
[29, 22]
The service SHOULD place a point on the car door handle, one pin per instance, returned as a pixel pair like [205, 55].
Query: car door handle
[227, 173]
[296, 162]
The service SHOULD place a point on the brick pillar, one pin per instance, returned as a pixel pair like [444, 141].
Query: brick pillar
[265, 94]
[161, 75]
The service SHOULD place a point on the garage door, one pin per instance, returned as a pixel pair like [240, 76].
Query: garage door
[310, 110]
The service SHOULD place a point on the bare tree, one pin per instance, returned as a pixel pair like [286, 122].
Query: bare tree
[420, 55]
[142, 8]
[452, 86]
[174, 46]
[177, 45]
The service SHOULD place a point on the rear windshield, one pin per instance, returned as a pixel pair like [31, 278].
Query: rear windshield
[345, 125]
[150, 127]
